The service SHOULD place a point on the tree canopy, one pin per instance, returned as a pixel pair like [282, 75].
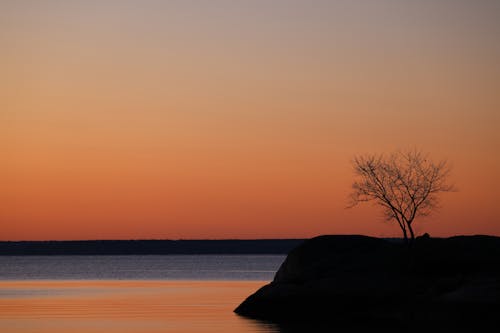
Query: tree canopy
[405, 184]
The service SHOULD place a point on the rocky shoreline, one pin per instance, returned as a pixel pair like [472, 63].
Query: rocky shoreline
[346, 280]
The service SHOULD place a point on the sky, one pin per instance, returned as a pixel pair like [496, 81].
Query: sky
[240, 119]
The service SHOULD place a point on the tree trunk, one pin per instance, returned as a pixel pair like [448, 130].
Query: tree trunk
[405, 236]
[412, 235]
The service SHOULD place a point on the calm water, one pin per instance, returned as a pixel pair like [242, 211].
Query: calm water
[131, 293]
[150, 267]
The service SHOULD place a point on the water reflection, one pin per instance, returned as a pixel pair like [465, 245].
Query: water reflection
[126, 306]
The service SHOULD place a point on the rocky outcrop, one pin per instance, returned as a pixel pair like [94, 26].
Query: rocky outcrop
[364, 280]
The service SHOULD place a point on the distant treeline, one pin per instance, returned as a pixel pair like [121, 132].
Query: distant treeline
[127, 247]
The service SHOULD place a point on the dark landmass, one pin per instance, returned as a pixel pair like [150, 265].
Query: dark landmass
[364, 282]
[125, 247]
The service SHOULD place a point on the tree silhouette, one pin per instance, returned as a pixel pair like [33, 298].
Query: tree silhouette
[405, 184]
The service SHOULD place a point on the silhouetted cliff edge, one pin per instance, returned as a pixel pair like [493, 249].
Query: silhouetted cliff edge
[355, 279]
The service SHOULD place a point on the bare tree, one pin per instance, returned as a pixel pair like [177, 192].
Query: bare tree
[405, 184]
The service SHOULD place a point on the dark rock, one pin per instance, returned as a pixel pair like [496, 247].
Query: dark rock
[450, 282]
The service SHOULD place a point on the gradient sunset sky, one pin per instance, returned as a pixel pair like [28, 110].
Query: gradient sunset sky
[239, 119]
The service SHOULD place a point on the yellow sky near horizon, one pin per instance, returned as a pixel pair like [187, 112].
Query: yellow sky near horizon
[238, 119]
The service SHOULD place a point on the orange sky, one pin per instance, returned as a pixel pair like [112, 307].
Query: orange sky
[238, 119]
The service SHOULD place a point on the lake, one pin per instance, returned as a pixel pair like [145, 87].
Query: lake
[152, 293]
